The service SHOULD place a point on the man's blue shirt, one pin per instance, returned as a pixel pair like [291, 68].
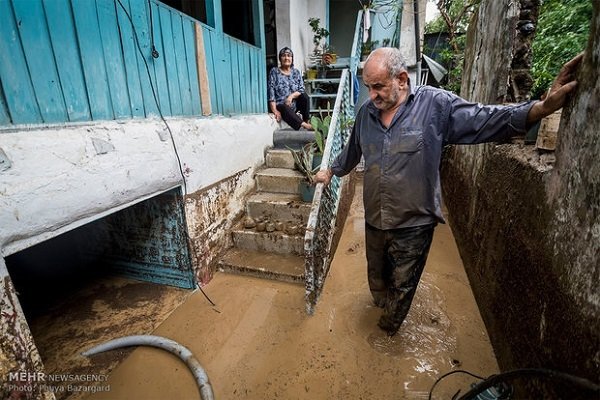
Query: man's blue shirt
[401, 177]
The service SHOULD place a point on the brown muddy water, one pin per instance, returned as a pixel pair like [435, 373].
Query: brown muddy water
[258, 342]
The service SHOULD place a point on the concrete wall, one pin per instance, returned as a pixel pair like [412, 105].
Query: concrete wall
[293, 29]
[17, 350]
[61, 177]
[407, 30]
[529, 231]
[56, 178]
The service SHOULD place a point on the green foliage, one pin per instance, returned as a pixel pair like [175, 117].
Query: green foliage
[459, 13]
[321, 127]
[458, 16]
[319, 33]
[562, 32]
[436, 25]
[303, 162]
[367, 47]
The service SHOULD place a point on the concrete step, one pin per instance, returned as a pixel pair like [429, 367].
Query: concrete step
[279, 158]
[281, 267]
[278, 206]
[278, 180]
[274, 242]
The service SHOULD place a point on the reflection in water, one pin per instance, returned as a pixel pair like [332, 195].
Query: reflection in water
[426, 339]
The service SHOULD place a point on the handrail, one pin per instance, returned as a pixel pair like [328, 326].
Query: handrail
[356, 45]
[321, 226]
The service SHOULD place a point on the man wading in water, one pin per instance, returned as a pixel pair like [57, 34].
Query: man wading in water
[400, 132]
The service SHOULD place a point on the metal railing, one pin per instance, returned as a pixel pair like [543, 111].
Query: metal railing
[321, 226]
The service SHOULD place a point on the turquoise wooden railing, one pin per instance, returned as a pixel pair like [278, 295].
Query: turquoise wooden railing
[87, 60]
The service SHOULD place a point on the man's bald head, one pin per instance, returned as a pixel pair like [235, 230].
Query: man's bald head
[390, 58]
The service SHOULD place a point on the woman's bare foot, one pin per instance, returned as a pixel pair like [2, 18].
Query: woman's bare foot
[307, 126]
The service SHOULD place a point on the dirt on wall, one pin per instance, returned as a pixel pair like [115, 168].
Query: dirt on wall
[529, 234]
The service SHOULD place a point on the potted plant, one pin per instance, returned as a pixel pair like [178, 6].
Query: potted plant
[320, 57]
[367, 47]
[303, 162]
[329, 54]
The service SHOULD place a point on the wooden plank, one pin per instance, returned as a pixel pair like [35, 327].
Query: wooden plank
[181, 61]
[16, 84]
[226, 78]
[256, 80]
[262, 70]
[247, 88]
[161, 86]
[68, 63]
[210, 12]
[129, 48]
[234, 70]
[92, 59]
[139, 16]
[113, 58]
[4, 114]
[215, 94]
[37, 47]
[205, 91]
[217, 15]
[190, 40]
[170, 61]
[548, 131]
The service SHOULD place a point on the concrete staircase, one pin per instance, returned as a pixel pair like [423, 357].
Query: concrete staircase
[274, 248]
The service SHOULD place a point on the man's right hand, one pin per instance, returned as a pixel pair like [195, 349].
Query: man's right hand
[324, 176]
[556, 97]
[277, 115]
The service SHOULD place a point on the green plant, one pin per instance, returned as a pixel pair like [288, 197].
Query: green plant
[328, 49]
[303, 162]
[454, 17]
[321, 126]
[562, 31]
[346, 122]
[367, 47]
[320, 35]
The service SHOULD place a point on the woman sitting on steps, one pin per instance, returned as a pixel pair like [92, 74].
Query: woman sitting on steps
[286, 93]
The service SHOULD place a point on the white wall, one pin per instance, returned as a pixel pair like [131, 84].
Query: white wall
[293, 29]
[62, 177]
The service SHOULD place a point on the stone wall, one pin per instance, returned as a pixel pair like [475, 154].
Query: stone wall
[528, 232]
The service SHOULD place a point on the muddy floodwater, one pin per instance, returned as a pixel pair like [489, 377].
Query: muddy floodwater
[258, 342]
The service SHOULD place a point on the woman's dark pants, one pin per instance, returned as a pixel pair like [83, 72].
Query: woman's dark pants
[289, 115]
[395, 259]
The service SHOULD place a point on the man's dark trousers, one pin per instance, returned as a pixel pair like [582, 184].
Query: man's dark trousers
[396, 258]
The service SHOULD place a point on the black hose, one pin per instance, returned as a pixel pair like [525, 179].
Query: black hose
[528, 372]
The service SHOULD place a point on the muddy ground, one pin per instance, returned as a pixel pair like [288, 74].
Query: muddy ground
[258, 342]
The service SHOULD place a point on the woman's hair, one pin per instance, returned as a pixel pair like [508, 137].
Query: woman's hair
[286, 50]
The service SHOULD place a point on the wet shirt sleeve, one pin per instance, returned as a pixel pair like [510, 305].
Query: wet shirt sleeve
[472, 123]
